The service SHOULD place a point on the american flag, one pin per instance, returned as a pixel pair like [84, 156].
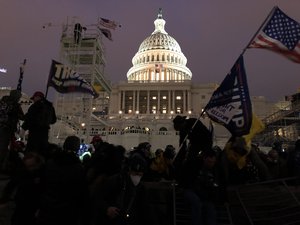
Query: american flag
[280, 34]
[108, 23]
[106, 33]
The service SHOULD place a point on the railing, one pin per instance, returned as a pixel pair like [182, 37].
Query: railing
[281, 114]
[273, 202]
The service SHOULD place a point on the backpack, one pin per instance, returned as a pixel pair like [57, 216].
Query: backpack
[5, 110]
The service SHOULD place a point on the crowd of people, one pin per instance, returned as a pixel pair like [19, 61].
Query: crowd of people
[105, 184]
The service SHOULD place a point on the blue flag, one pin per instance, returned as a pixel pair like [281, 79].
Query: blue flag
[230, 104]
[65, 80]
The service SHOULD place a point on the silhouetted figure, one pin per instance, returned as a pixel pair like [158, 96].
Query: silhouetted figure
[77, 32]
[40, 115]
[293, 160]
[64, 197]
[200, 187]
[118, 201]
[162, 165]
[10, 114]
[194, 137]
[25, 186]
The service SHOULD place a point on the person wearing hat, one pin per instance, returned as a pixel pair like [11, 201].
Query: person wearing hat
[10, 114]
[40, 115]
[97, 142]
[119, 199]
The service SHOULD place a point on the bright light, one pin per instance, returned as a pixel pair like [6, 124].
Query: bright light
[83, 124]
[3, 70]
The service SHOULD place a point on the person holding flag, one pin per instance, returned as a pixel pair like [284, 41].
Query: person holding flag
[10, 114]
[230, 106]
[40, 115]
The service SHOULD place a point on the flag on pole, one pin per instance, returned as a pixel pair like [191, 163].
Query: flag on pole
[65, 80]
[230, 104]
[106, 33]
[257, 126]
[20, 81]
[158, 68]
[280, 34]
[108, 23]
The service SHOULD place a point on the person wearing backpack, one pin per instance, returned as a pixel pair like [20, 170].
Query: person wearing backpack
[40, 115]
[10, 114]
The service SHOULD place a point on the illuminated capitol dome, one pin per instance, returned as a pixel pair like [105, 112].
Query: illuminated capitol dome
[159, 86]
[159, 57]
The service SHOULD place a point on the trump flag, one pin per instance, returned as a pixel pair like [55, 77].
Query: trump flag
[65, 80]
[230, 104]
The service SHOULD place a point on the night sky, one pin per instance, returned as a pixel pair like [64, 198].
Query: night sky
[211, 33]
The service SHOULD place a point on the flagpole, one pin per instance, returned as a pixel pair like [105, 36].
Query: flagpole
[259, 29]
[46, 93]
[22, 67]
[186, 136]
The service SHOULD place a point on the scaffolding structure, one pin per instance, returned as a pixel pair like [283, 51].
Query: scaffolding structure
[282, 127]
[82, 50]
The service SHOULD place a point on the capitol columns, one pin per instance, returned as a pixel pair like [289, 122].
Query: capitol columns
[158, 101]
[148, 102]
[138, 101]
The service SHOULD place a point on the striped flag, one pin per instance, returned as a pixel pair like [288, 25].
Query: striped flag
[108, 23]
[280, 34]
[106, 33]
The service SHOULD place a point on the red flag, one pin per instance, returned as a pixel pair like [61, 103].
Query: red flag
[280, 34]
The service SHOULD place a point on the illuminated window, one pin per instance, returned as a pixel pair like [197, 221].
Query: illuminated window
[178, 97]
[154, 97]
[164, 97]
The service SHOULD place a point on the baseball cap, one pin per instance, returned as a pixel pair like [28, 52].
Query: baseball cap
[38, 94]
[96, 138]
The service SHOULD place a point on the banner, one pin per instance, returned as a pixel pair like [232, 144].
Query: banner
[65, 80]
[230, 104]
